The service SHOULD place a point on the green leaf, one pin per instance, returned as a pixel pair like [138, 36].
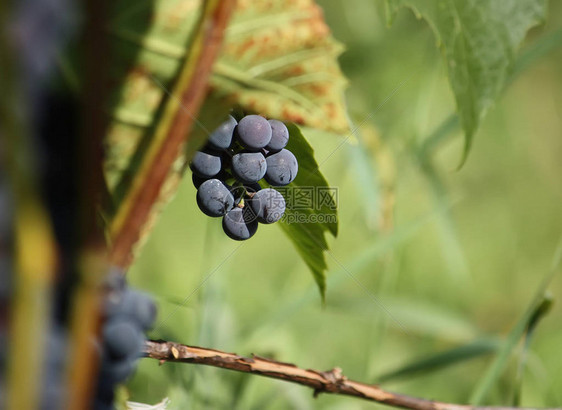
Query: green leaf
[311, 209]
[540, 312]
[538, 306]
[440, 360]
[479, 40]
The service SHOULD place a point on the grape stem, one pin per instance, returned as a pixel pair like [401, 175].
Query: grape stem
[332, 381]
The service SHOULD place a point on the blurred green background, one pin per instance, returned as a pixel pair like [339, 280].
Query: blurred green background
[441, 258]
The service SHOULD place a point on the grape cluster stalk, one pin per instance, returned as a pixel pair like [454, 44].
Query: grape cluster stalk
[228, 170]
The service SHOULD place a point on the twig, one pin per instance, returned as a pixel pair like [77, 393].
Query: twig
[332, 381]
[171, 131]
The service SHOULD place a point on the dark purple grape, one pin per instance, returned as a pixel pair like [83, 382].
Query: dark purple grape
[279, 136]
[206, 163]
[249, 167]
[240, 224]
[117, 371]
[214, 198]
[268, 205]
[221, 137]
[122, 338]
[254, 132]
[140, 307]
[282, 168]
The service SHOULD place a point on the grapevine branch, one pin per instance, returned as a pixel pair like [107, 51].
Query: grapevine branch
[332, 381]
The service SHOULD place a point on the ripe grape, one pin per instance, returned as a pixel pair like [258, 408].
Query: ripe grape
[140, 307]
[137, 306]
[254, 132]
[214, 198]
[268, 205]
[117, 371]
[282, 168]
[240, 224]
[206, 163]
[249, 167]
[221, 138]
[122, 338]
[279, 136]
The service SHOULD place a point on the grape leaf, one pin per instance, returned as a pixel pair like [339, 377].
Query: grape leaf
[311, 209]
[278, 60]
[479, 40]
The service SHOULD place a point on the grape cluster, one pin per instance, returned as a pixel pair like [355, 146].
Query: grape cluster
[227, 171]
[127, 314]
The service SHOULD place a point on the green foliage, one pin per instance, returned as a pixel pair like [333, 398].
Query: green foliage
[440, 360]
[540, 312]
[539, 306]
[503, 208]
[479, 40]
[308, 236]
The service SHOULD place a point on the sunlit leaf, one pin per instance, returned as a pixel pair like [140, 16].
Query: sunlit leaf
[280, 60]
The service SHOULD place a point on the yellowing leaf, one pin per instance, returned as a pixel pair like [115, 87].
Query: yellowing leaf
[280, 60]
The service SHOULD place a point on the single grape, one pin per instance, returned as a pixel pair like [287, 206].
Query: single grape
[206, 163]
[214, 198]
[221, 138]
[140, 307]
[268, 205]
[254, 132]
[117, 371]
[240, 224]
[282, 168]
[249, 167]
[279, 136]
[122, 338]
